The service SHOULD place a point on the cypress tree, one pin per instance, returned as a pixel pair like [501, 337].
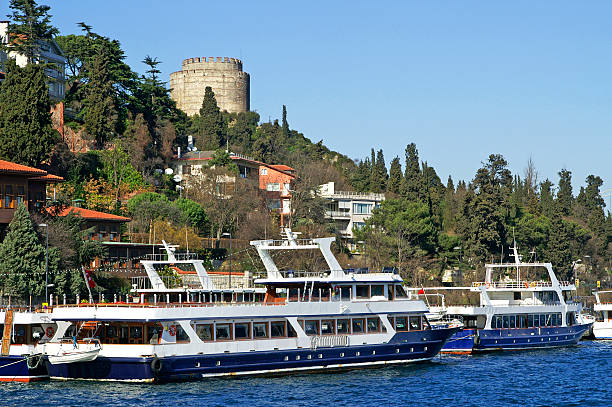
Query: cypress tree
[99, 113]
[565, 198]
[395, 176]
[285, 123]
[413, 188]
[547, 204]
[210, 129]
[22, 257]
[26, 135]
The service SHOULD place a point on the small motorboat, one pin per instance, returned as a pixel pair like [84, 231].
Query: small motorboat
[82, 352]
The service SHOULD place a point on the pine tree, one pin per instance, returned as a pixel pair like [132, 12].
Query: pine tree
[547, 204]
[395, 176]
[211, 130]
[30, 24]
[565, 198]
[22, 257]
[26, 135]
[413, 188]
[99, 112]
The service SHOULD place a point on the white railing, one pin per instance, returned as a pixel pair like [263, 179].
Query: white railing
[519, 284]
[328, 341]
[338, 214]
[357, 195]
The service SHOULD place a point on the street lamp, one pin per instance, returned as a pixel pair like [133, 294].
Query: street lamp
[458, 248]
[365, 254]
[230, 258]
[44, 225]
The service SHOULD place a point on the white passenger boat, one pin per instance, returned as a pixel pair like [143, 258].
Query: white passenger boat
[512, 313]
[602, 328]
[303, 321]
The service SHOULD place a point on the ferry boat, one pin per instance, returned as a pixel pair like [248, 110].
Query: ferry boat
[302, 321]
[23, 332]
[602, 328]
[515, 313]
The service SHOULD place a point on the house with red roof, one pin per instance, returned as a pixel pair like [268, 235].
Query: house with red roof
[20, 184]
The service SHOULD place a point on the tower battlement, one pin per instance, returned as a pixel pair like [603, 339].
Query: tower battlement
[223, 74]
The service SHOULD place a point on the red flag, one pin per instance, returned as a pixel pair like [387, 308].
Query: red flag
[421, 291]
[90, 281]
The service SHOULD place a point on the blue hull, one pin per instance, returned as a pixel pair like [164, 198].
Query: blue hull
[17, 369]
[404, 347]
[529, 338]
[460, 342]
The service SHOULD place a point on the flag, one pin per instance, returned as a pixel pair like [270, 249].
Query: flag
[88, 279]
[421, 291]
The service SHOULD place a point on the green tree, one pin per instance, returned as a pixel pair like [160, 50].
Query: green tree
[193, 212]
[222, 159]
[26, 135]
[99, 112]
[210, 128]
[565, 197]
[413, 188]
[395, 176]
[285, 123]
[22, 257]
[30, 23]
[547, 203]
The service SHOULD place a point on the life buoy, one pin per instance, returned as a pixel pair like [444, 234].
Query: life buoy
[526, 284]
[49, 332]
[156, 365]
[172, 330]
[488, 285]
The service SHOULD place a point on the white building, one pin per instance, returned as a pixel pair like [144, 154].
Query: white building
[48, 53]
[349, 209]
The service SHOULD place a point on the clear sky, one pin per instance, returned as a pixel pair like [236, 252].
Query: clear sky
[461, 79]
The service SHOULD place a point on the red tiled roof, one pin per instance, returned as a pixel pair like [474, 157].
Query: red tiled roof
[49, 177]
[282, 167]
[91, 215]
[14, 168]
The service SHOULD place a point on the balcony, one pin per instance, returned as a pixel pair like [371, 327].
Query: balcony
[338, 214]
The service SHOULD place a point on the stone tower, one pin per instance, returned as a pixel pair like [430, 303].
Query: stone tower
[223, 75]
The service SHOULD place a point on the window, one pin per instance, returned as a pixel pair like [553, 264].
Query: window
[205, 332]
[512, 321]
[363, 291]
[415, 323]
[327, 327]
[373, 325]
[344, 326]
[242, 330]
[345, 293]
[223, 332]
[399, 291]
[362, 208]
[505, 321]
[181, 335]
[401, 324]
[378, 290]
[8, 196]
[20, 194]
[358, 326]
[135, 332]
[264, 171]
[530, 321]
[286, 187]
[554, 320]
[311, 327]
[260, 329]
[274, 204]
[277, 329]
[273, 186]
[522, 321]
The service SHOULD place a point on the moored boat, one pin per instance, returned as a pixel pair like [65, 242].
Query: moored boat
[302, 321]
[602, 328]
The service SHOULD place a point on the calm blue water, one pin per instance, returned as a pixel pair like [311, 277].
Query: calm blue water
[574, 376]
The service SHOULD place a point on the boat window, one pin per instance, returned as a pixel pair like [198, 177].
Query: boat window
[205, 332]
[378, 290]
[111, 332]
[153, 333]
[530, 321]
[294, 294]
[242, 330]
[358, 326]
[415, 323]
[327, 327]
[260, 329]
[181, 335]
[223, 332]
[553, 319]
[345, 293]
[390, 291]
[277, 329]
[290, 331]
[543, 320]
[517, 295]
[401, 324]
[363, 291]
[135, 333]
[506, 321]
[512, 321]
[481, 321]
[344, 326]
[373, 325]
[559, 319]
[522, 321]
[311, 327]
[123, 334]
[399, 291]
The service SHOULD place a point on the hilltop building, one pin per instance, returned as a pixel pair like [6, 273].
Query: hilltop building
[347, 209]
[224, 75]
[48, 53]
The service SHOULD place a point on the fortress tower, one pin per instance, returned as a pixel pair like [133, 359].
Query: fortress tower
[223, 75]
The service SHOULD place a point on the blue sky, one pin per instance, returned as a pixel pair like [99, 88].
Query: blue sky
[461, 79]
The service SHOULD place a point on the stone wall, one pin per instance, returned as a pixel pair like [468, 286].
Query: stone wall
[224, 75]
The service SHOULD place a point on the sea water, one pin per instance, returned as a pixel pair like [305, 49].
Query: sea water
[574, 376]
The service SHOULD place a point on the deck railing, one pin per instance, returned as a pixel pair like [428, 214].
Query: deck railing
[519, 284]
